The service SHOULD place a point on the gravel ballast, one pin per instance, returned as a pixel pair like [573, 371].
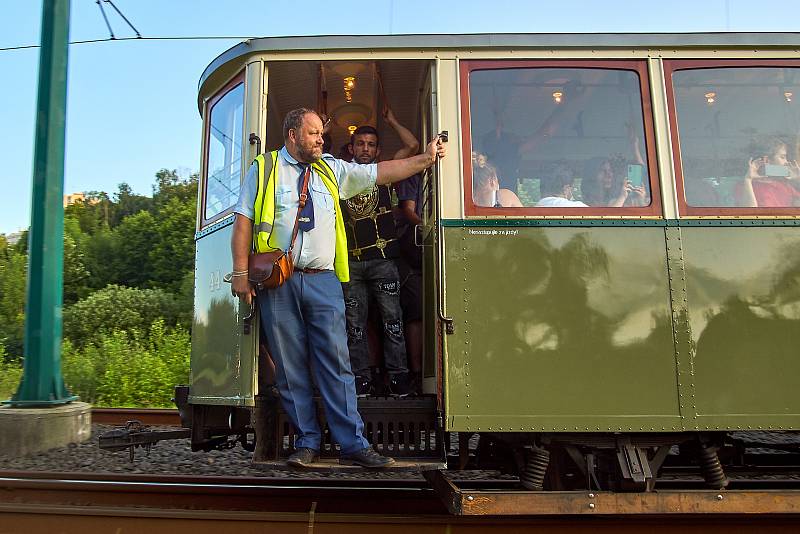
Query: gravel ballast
[169, 457]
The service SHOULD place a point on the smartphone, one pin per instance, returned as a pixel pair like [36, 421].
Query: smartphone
[635, 176]
[781, 171]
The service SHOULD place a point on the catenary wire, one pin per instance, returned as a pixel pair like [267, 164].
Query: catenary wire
[118, 39]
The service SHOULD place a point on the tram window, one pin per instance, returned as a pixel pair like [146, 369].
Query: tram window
[558, 137]
[224, 152]
[738, 133]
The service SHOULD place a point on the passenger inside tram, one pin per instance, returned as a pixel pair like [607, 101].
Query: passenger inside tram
[604, 184]
[771, 180]
[558, 190]
[569, 137]
[486, 190]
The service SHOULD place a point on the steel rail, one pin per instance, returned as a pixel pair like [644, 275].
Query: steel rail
[39, 505]
[148, 416]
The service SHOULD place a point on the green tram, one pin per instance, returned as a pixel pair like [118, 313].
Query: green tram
[626, 280]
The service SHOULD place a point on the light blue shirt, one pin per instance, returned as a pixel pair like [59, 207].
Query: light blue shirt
[314, 249]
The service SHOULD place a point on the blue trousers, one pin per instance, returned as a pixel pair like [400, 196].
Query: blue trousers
[304, 323]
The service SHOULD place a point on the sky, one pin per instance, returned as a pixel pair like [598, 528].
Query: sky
[131, 105]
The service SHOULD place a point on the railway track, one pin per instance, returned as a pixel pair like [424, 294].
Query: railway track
[61, 502]
[148, 416]
[68, 502]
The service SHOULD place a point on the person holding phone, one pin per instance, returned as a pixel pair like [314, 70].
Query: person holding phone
[772, 180]
[601, 186]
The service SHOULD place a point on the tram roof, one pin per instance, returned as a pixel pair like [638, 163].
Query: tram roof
[503, 40]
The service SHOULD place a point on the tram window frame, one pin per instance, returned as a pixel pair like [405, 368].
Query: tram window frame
[684, 208]
[235, 82]
[638, 67]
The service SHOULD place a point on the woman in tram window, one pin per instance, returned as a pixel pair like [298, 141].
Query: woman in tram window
[772, 180]
[486, 189]
[614, 181]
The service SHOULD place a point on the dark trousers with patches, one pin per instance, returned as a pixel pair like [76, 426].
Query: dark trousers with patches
[379, 279]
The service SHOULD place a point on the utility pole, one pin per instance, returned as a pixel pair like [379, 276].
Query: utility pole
[42, 383]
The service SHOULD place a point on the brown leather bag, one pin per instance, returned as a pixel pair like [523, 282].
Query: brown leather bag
[268, 270]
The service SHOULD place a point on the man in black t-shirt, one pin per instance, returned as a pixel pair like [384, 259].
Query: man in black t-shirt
[373, 246]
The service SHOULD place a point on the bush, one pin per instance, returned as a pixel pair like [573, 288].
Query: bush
[82, 370]
[118, 308]
[10, 376]
[128, 369]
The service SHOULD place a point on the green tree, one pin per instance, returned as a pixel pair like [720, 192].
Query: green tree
[10, 376]
[127, 203]
[172, 255]
[132, 242]
[13, 269]
[118, 308]
[93, 213]
[75, 273]
[99, 253]
[170, 186]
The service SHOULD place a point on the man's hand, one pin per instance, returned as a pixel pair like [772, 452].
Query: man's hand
[242, 288]
[388, 114]
[436, 149]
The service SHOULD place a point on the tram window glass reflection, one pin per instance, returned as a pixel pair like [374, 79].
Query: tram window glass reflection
[224, 152]
[738, 131]
[558, 137]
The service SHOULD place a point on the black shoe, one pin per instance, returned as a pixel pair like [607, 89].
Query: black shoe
[303, 457]
[366, 458]
[400, 385]
[363, 386]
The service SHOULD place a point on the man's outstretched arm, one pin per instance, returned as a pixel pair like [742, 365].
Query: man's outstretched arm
[399, 169]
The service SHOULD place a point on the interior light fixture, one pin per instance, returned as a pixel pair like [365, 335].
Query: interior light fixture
[557, 96]
[351, 128]
[711, 97]
[788, 95]
[349, 86]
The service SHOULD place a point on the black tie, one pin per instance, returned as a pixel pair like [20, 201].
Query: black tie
[305, 221]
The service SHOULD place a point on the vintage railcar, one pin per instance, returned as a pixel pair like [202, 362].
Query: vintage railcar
[643, 293]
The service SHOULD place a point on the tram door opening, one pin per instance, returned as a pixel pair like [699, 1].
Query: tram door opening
[353, 93]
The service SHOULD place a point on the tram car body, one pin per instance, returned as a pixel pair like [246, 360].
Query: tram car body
[599, 334]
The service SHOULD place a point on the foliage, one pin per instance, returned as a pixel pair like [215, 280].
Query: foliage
[128, 289]
[132, 243]
[127, 203]
[118, 308]
[13, 266]
[173, 252]
[143, 372]
[10, 376]
[75, 273]
[170, 186]
[126, 369]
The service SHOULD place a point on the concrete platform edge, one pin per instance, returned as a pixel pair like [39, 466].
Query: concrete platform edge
[27, 431]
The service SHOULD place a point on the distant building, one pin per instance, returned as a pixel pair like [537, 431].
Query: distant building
[73, 198]
[14, 237]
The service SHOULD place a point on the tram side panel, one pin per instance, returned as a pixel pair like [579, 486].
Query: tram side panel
[223, 366]
[744, 309]
[559, 329]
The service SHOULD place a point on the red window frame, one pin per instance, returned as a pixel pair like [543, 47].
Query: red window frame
[637, 66]
[239, 79]
[670, 67]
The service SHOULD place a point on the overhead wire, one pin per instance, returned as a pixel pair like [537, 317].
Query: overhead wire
[132, 27]
[105, 18]
[109, 2]
[107, 39]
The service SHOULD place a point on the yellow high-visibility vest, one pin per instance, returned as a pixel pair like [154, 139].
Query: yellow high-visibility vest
[264, 208]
